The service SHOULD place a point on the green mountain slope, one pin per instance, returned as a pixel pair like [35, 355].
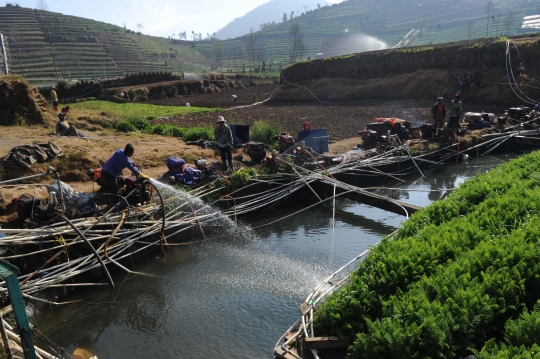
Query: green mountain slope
[45, 46]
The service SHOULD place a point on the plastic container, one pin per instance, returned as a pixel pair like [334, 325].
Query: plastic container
[52, 198]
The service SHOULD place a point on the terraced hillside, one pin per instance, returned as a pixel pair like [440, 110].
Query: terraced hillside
[46, 46]
[349, 27]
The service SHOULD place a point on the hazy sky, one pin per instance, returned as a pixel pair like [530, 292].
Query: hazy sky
[161, 18]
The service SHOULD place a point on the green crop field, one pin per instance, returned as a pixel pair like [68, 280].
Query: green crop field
[460, 277]
[128, 110]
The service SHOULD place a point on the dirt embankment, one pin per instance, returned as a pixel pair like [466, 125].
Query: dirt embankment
[21, 103]
[421, 73]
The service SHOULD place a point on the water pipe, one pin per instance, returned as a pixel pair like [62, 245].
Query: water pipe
[91, 247]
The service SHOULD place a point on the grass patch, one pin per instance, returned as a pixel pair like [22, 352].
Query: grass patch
[139, 110]
[135, 124]
[71, 160]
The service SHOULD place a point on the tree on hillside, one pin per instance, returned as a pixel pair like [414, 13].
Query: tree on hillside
[508, 21]
[217, 51]
[251, 44]
[489, 7]
[497, 23]
[469, 29]
[296, 46]
[140, 27]
[41, 5]
[291, 16]
[284, 17]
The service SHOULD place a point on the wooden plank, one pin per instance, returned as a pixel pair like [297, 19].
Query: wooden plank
[327, 343]
[282, 354]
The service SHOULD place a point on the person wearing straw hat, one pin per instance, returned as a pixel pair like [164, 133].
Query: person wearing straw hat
[224, 139]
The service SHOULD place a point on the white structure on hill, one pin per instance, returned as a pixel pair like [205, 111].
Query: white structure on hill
[531, 22]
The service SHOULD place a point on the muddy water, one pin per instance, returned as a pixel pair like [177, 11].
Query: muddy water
[234, 298]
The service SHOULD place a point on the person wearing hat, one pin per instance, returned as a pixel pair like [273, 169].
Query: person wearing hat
[438, 111]
[114, 166]
[455, 112]
[223, 136]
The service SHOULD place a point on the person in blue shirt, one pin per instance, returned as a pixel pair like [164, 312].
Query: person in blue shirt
[181, 172]
[114, 167]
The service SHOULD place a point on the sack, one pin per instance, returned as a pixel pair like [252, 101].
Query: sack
[67, 190]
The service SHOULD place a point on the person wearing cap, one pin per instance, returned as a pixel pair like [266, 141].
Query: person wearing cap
[455, 112]
[54, 98]
[224, 139]
[114, 166]
[438, 111]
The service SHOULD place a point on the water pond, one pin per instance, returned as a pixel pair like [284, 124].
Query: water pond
[235, 296]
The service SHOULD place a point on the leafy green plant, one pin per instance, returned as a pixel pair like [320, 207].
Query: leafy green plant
[452, 277]
[263, 131]
[198, 133]
[125, 126]
[140, 124]
[241, 178]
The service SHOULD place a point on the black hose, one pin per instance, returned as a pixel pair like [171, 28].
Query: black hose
[111, 283]
[121, 198]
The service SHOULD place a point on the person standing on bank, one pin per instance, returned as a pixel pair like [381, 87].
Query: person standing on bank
[438, 111]
[455, 112]
[114, 167]
[223, 136]
[54, 98]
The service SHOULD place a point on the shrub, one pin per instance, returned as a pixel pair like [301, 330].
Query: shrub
[125, 126]
[174, 91]
[178, 131]
[199, 133]
[262, 131]
[132, 95]
[163, 130]
[140, 124]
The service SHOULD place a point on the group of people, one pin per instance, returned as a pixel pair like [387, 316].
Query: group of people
[177, 167]
[438, 111]
[63, 127]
